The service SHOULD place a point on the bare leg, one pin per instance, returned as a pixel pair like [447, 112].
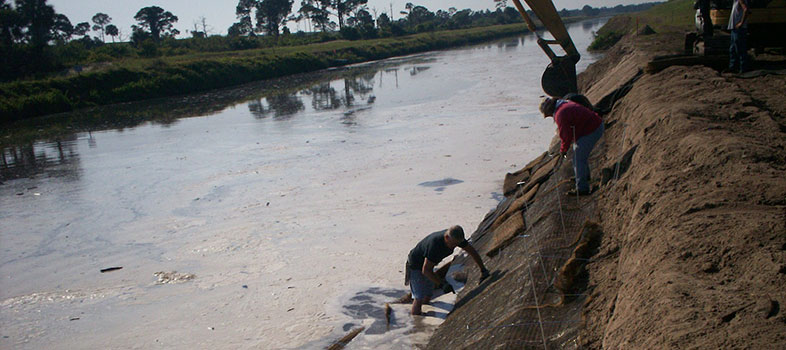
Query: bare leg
[416, 306]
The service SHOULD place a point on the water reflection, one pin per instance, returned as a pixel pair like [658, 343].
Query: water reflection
[282, 106]
[588, 25]
[509, 45]
[389, 70]
[349, 90]
[361, 85]
[56, 159]
[352, 93]
[416, 70]
[323, 97]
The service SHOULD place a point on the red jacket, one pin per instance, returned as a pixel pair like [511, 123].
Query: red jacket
[571, 114]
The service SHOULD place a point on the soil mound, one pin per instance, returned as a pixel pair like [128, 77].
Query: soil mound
[647, 30]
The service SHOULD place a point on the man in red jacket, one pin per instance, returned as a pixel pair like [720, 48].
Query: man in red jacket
[578, 124]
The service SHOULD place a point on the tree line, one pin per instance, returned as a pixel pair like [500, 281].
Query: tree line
[35, 41]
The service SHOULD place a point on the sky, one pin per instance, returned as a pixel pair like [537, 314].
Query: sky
[220, 14]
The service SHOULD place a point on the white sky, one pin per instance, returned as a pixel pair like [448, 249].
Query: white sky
[220, 14]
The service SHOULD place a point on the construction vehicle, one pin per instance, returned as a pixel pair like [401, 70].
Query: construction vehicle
[559, 79]
[766, 28]
[766, 25]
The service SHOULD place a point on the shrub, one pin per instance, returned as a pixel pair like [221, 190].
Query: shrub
[606, 40]
[350, 33]
[96, 56]
[148, 48]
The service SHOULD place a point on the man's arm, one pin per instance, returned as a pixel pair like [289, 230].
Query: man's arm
[475, 256]
[564, 122]
[744, 6]
[428, 271]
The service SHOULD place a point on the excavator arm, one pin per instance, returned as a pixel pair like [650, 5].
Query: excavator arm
[559, 78]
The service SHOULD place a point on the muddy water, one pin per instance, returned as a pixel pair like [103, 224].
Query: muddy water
[280, 220]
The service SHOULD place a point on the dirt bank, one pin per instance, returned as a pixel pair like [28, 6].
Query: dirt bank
[685, 249]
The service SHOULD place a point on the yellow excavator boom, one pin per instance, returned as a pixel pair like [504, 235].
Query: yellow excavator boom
[559, 78]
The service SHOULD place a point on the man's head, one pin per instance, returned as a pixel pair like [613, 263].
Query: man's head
[454, 237]
[547, 106]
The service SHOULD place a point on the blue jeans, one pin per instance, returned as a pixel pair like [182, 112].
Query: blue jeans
[738, 50]
[581, 155]
[420, 285]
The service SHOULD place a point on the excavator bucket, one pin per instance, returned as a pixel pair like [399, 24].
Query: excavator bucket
[559, 79]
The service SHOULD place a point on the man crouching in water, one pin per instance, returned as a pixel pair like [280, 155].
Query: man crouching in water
[427, 254]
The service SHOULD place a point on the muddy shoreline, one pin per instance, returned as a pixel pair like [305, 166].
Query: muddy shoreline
[691, 211]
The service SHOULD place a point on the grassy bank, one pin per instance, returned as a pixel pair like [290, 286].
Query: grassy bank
[674, 15]
[141, 79]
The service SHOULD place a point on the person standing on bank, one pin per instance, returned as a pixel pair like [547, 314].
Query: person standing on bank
[738, 25]
[427, 254]
[575, 121]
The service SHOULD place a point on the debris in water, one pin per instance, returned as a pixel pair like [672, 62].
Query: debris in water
[388, 313]
[341, 343]
[109, 269]
[173, 277]
[404, 299]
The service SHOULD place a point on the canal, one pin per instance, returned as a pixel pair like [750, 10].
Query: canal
[273, 215]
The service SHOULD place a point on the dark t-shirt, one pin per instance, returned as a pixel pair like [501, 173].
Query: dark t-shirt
[433, 247]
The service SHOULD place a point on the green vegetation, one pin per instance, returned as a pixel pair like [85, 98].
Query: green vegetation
[36, 42]
[43, 71]
[167, 76]
[674, 15]
[670, 16]
[605, 40]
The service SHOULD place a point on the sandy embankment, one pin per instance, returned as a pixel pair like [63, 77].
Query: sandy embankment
[693, 246]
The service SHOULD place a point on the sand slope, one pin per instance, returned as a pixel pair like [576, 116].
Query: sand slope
[694, 253]
[693, 249]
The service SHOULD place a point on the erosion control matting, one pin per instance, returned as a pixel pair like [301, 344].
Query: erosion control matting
[528, 244]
